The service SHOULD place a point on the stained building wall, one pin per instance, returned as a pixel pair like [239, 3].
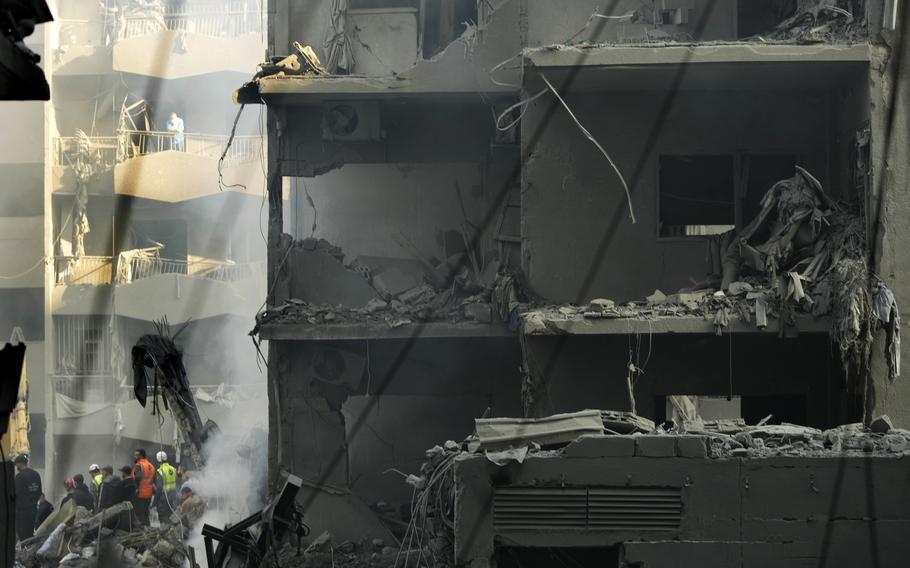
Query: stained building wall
[889, 223]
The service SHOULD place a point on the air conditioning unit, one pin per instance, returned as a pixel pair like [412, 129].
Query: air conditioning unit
[336, 366]
[351, 121]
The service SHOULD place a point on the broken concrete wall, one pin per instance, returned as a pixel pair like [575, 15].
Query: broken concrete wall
[569, 21]
[347, 412]
[590, 372]
[813, 509]
[889, 224]
[567, 183]
[365, 208]
[463, 65]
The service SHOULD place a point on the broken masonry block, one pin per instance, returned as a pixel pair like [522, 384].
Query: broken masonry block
[481, 312]
[596, 446]
[655, 446]
[691, 447]
[881, 425]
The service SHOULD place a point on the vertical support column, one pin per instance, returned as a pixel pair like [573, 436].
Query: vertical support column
[888, 203]
[50, 31]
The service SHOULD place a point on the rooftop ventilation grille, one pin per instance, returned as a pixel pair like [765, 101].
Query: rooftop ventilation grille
[600, 508]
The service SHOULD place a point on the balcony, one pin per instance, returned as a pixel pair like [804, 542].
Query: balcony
[87, 404]
[153, 165]
[149, 287]
[199, 39]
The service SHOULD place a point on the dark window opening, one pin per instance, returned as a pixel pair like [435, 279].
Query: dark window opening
[782, 408]
[756, 17]
[696, 195]
[444, 21]
[440, 23]
[515, 557]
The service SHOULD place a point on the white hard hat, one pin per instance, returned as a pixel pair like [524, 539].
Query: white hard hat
[161, 456]
[94, 467]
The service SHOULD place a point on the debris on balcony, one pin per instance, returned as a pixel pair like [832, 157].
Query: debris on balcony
[802, 255]
[392, 292]
[824, 21]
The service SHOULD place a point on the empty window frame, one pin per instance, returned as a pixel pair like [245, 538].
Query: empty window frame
[696, 195]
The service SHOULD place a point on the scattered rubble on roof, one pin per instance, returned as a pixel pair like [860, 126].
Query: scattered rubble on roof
[435, 497]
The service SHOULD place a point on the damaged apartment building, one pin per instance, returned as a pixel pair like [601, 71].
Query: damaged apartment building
[689, 210]
[139, 225]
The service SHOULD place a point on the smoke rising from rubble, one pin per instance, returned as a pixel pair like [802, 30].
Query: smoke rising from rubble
[233, 482]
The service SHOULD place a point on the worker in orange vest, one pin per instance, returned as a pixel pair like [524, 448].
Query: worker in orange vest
[144, 474]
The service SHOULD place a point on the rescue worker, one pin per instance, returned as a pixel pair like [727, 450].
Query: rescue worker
[94, 472]
[165, 488]
[191, 507]
[28, 493]
[144, 474]
[82, 487]
[77, 494]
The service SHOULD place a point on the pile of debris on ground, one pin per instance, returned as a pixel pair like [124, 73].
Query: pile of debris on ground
[75, 537]
[393, 292]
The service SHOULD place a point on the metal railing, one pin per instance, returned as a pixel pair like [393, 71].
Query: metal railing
[142, 142]
[82, 345]
[91, 270]
[102, 151]
[97, 270]
[105, 152]
[211, 269]
[105, 388]
[90, 387]
[217, 19]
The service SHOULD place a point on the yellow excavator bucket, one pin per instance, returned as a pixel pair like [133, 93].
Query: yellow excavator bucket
[15, 441]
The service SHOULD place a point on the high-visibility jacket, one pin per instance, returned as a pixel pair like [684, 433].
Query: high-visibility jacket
[96, 481]
[144, 474]
[168, 476]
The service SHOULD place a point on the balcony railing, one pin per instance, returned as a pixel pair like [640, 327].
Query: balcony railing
[143, 142]
[104, 152]
[91, 387]
[97, 270]
[212, 20]
[211, 269]
[91, 270]
[104, 388]
[101, 151]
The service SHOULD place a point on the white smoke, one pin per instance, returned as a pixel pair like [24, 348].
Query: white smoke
[232, 483]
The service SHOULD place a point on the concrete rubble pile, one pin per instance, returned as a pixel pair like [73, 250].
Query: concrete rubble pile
[733, 438]
[84, 540]
[402, 292]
